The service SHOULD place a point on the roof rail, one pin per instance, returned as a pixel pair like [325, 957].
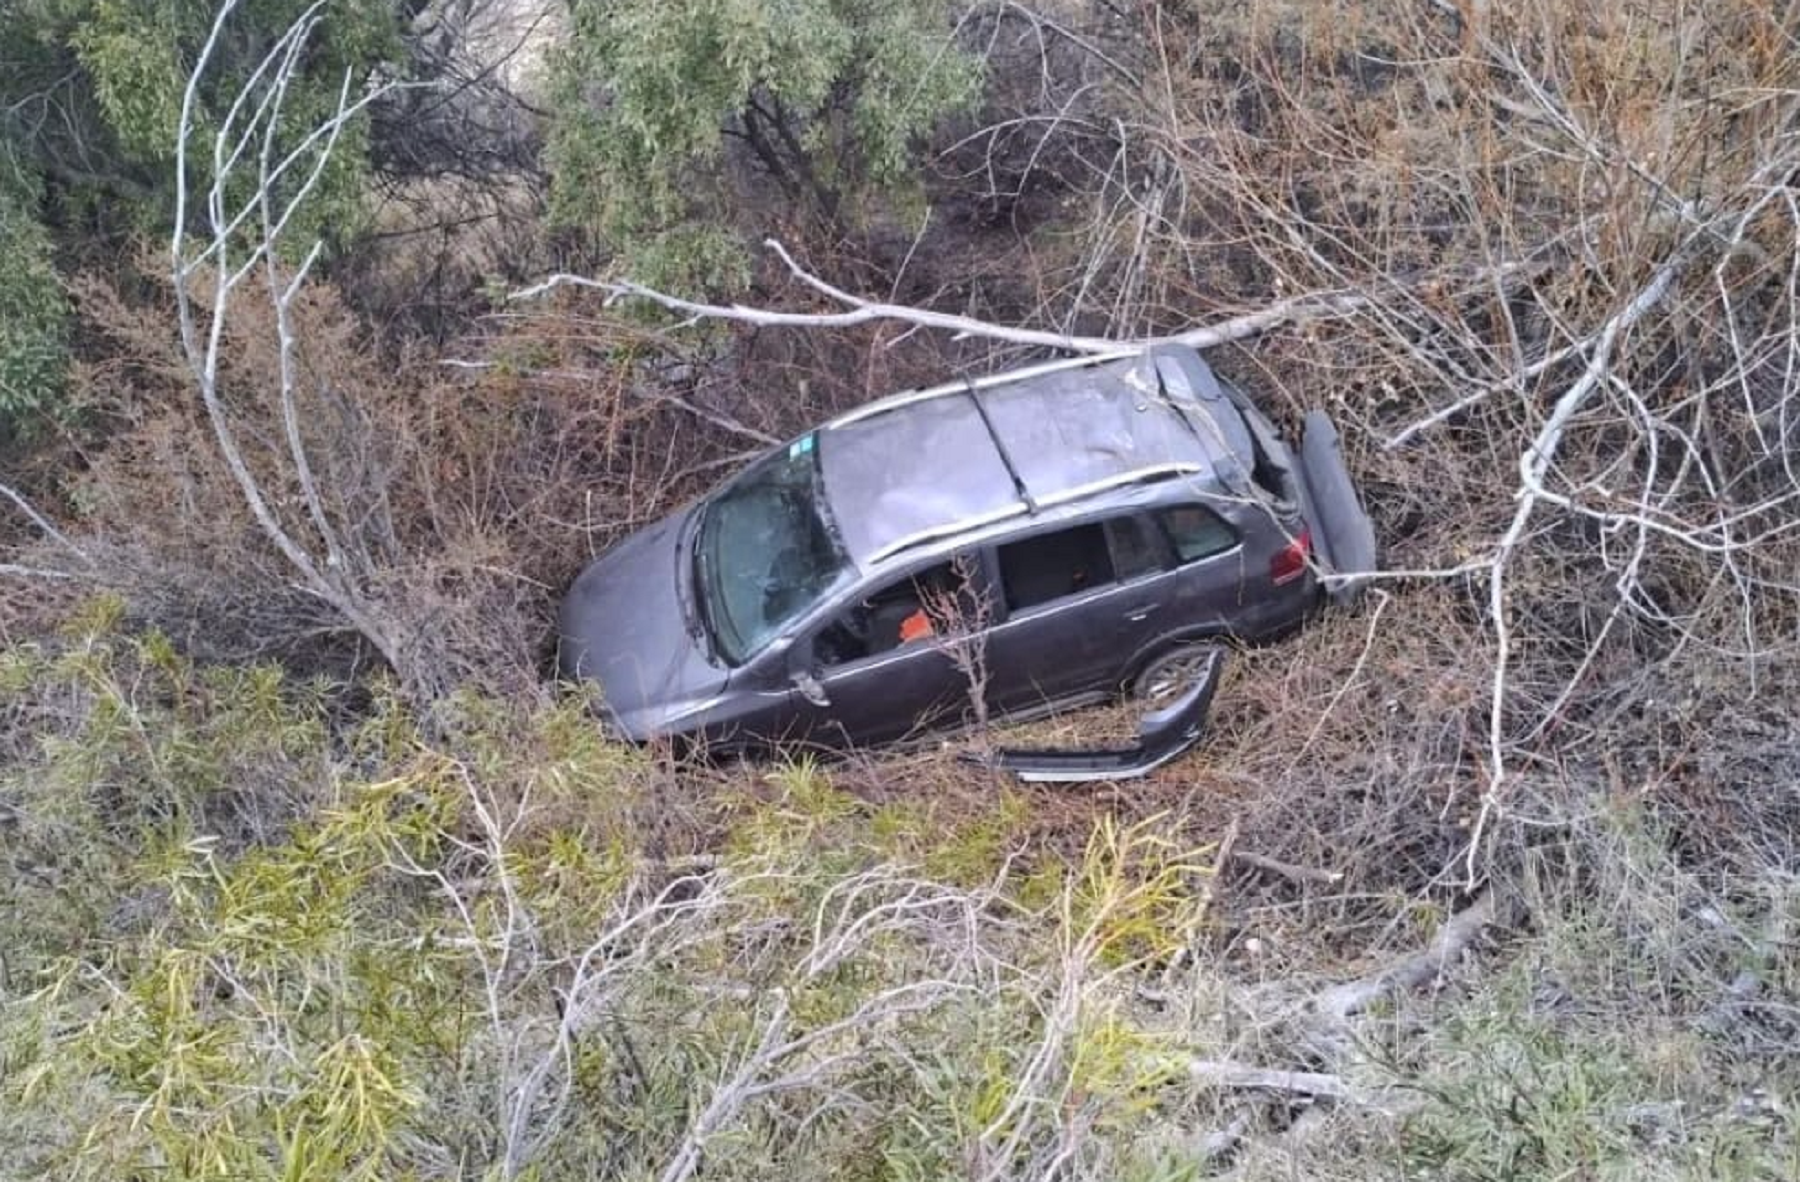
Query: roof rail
[1147, 475]
[1000, 449]
[962, 385]
[937, 532]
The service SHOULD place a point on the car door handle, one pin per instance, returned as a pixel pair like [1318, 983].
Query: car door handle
[1138, 614]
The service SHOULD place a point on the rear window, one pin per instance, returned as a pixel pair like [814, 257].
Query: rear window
[1197, 532]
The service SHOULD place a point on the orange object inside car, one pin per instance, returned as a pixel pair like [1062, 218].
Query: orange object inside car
[916, 627]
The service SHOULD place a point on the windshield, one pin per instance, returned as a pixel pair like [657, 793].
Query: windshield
[764, 552]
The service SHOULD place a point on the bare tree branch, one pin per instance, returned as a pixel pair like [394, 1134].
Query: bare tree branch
[1341, 1002]
[1314, 306]
[42, 522]
[254, 128]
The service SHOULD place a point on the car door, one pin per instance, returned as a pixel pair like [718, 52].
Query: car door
[1086, 602]
[1065, 594]
[889, 663]
[1204, 593]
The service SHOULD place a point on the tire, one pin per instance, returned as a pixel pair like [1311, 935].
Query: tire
[1170, 671]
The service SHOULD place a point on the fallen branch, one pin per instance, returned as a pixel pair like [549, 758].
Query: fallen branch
[1326, 1017]
[1224, 1073]
[14, 570]
[1313, 306]
[1341, 1002]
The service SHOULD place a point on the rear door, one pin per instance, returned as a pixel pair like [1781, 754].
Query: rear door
[1068, 599]
[1206, 589]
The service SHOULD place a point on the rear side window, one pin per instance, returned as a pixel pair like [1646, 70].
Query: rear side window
[1136, 549]
[1197, 532]
[1051, 566]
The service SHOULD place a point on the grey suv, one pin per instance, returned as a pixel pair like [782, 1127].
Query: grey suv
[1033, 540]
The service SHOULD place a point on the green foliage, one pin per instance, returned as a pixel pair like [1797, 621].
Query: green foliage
[33, 311]
[827, 96]
[251, 939]
[1519, 1093]
[95, 90]
[1633, 1036]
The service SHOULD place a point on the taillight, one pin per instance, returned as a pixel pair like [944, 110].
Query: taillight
[1290, 563]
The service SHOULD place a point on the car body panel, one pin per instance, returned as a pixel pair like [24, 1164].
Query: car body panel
[641, 648]
[1346, 536]
[875, 511]
[1163, 735]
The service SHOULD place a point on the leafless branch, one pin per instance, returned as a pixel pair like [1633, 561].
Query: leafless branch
[1314, 306]
[14, 570]
[1341, 1002]
[1222, 1073]
[1287, 869]
[208, 270]
[41, 522]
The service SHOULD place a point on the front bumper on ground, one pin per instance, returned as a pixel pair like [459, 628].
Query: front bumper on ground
[1162, 736]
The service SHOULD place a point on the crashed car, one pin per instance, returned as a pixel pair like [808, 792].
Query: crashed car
[1027, 542]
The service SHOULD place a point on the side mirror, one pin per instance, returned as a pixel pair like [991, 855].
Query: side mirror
[809, 687]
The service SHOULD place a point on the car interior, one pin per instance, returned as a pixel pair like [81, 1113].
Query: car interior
[1050, 566]
[912, 608]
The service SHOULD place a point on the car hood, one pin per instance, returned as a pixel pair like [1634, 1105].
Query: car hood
[623, 627]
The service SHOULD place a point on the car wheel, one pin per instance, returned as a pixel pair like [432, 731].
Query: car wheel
[1170, 672]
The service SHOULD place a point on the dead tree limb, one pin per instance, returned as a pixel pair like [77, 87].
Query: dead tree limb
[1287, 870]
[1224, 1073]
[1313, 306]
[16, 570]
[41, 522]
[1342, 1002]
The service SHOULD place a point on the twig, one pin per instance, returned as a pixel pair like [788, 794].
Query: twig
[1224, 1073]
[1287, 869]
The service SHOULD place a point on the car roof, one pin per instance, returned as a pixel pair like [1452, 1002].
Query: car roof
[932, 464]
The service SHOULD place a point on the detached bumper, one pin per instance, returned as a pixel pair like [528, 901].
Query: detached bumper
[1163, 735]
[1343, 535]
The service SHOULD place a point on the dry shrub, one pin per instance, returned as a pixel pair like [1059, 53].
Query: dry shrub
[463, 504]
[464, 498]
[1501, 183]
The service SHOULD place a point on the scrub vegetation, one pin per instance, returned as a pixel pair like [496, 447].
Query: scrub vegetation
[335, 339]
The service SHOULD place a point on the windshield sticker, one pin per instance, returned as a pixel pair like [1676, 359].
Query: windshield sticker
[800, 447]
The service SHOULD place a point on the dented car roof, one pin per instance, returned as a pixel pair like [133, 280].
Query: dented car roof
[972, 453]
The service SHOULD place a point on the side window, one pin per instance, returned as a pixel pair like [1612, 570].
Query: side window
[1050, 566]
[1197, 532]
[1136, 550]
[936, 601]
